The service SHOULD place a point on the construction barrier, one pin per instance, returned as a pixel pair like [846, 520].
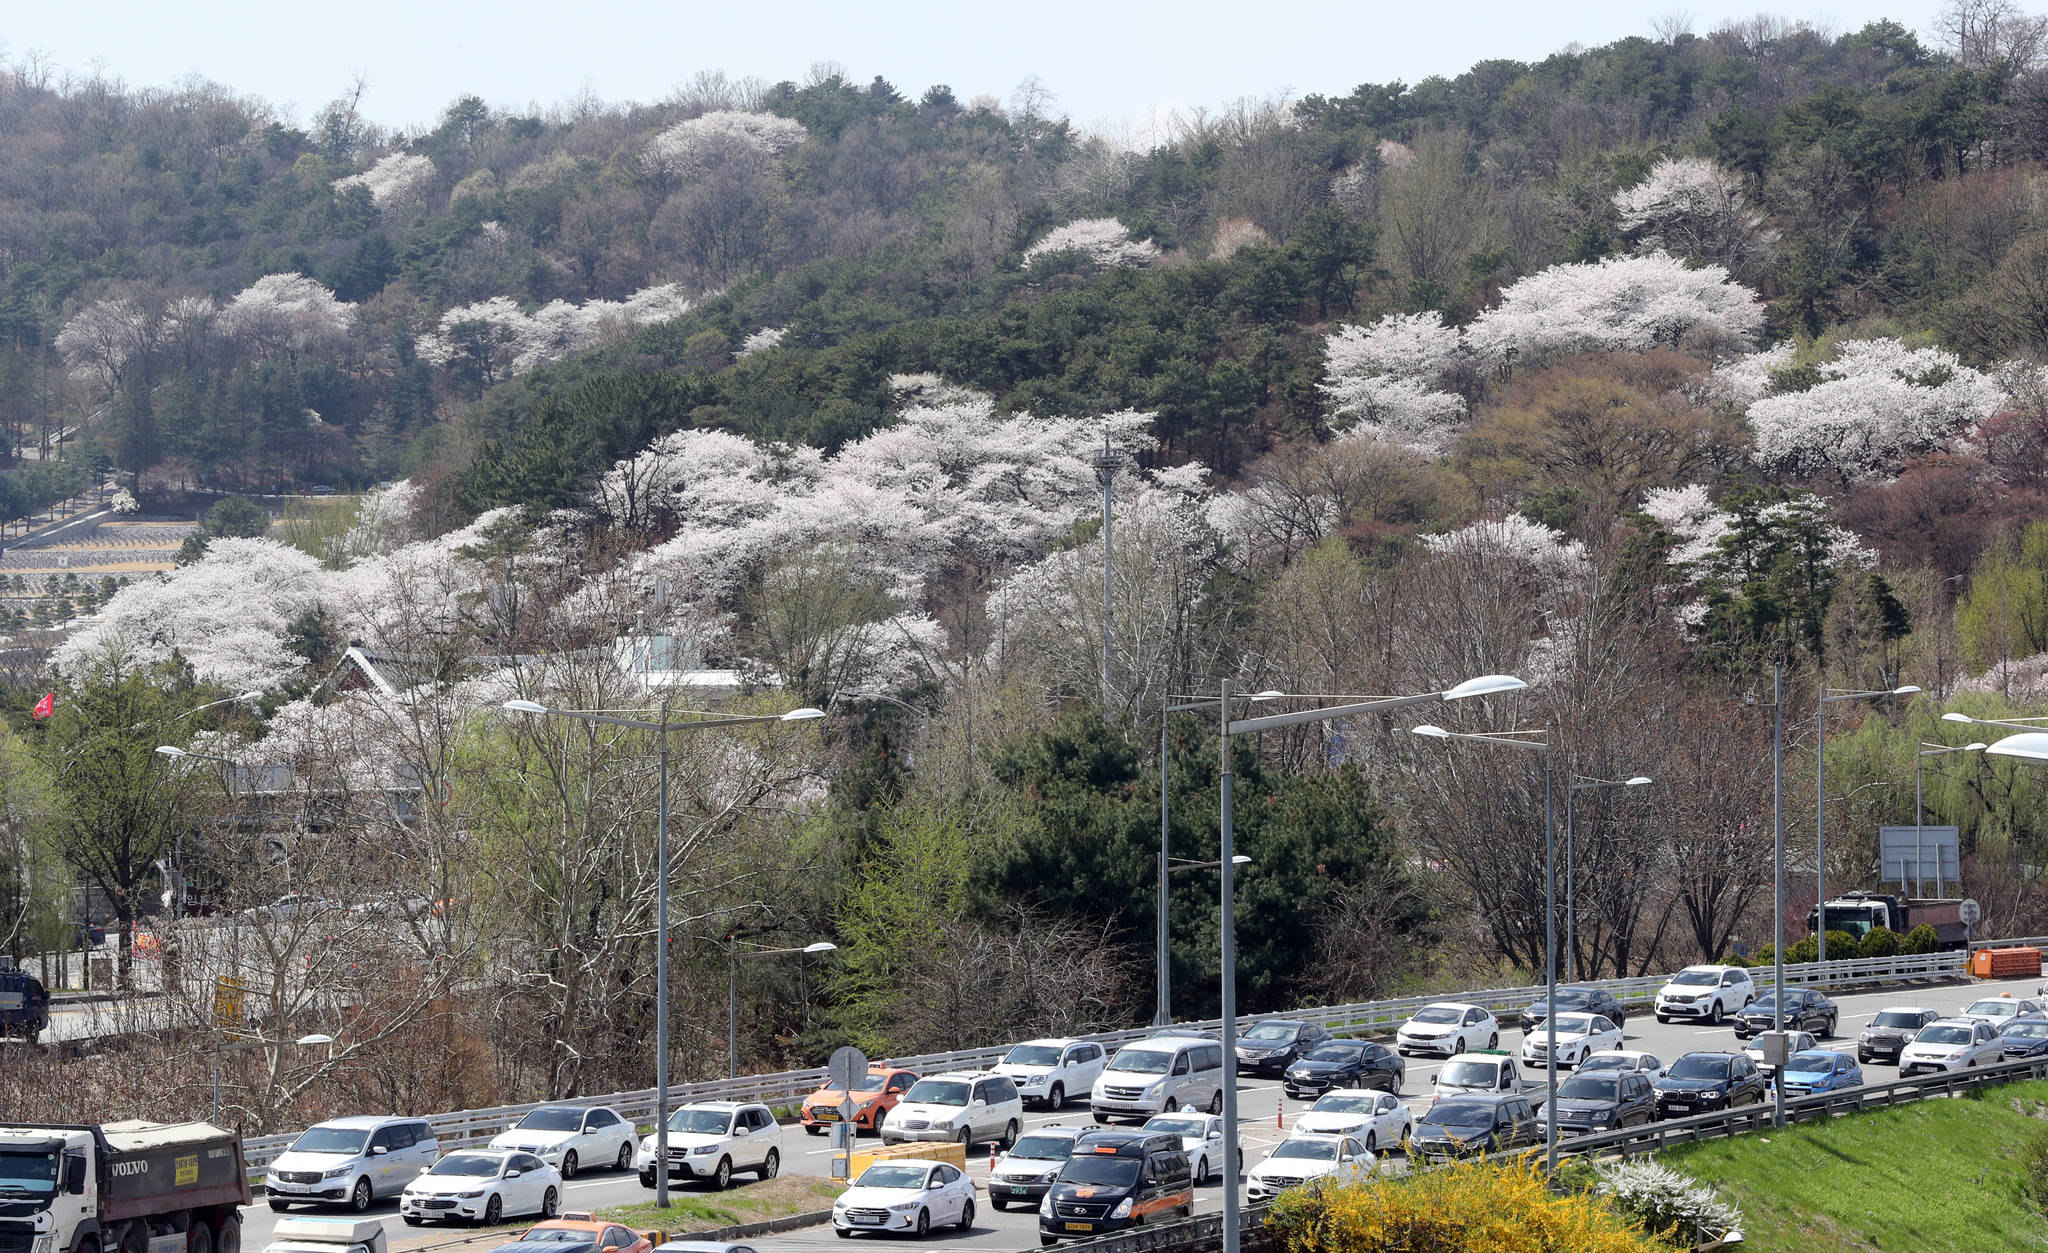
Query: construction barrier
[2005, 963]
[923, 1150]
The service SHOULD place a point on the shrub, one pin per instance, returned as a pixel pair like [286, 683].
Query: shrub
[1804, 951]
[1881, 942]
[1464, 1207]
[1674, 1207]
[1841, 944]
[1921, 939]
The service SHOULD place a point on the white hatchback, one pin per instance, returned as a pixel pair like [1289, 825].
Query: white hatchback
[905, 1195]
[1380, 1119]
[1951, 1044]
[1448, 1028]
[1576, 1037]
[481, 1186]
[1050, 1072]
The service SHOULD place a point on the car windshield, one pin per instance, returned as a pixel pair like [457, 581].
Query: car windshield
[1034, 1055]
[1469, 1074]
[551, 1120]
[1337, 1051]
[1438, 1013]
[1193, 1128]
[1100, 1170]
[2031, 1029]
[28, 1172]
[1567, 998]
[1275, 1031]
[871, 1081]
[1897, 1018]
[710, 1122]
[1695, 978]
[475, 1164]
[1943, 1035]
[1143, 1061]
[1044, 1148]
[331, 1140]
[1993, 1009]
[1698, 1067]
[1458, 1114]
[1598, 1062]
[1811, 1063]
[555, 1235]
[1342, 1103]
[1313, 1150]
[937, 1092]
[1587, 1088]
[884, 1175]
[1764, 1004]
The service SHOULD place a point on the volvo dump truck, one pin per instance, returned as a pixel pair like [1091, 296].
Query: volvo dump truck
[121, 1187]
[1859, 912]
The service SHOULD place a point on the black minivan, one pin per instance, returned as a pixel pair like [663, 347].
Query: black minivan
[24, 1005]
[1114, 1180]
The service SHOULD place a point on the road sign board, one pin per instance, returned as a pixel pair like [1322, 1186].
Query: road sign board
[229, 993]
[846, 1110]
[846, 1068]
[1970, 912]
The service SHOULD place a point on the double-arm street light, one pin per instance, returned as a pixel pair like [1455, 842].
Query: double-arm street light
[1829, 696]
[704, 722]
[1485, 685]
[1580, 783]
[732, 992]
[1510, 740]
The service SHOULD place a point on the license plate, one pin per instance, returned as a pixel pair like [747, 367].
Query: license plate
[1018, 1190]
[825, 1115]
[861, 1220]
[1080, 1226]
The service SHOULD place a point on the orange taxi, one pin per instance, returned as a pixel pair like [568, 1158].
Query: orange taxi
[581, 1228]
[881, 1091]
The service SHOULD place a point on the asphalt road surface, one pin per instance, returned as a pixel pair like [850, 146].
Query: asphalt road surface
[1265, 1116]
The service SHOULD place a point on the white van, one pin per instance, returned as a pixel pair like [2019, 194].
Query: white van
[351, 1162]
[1484, 1073]
[1158, 1075]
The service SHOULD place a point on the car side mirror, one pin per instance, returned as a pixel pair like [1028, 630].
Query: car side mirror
[1432, 1081]
[934, 1185]
[74, 1175]
[743, 1131]
[511, 1174]
[425, 1169]
[979, 1103]
[378, 1150]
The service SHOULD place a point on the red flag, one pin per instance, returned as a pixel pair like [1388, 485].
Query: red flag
[44, 707]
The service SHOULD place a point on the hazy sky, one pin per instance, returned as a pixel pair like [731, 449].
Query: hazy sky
[1104, 62]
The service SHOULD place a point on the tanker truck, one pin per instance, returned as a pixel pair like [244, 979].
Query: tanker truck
[121, 1187]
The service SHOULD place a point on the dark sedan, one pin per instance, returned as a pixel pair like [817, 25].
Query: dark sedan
[1274, 1045]
[1805, 1010]
[1705, 1083]
[1893, 1029]
[1602, 1101]
[1576, 1001]
[1463, 1125]
[2025, 1037]
[1345, 1064]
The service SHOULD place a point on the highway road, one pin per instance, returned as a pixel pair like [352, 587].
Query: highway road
[1264, 1111]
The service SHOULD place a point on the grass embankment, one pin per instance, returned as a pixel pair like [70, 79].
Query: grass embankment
[1937, 1176]
[751, 1202]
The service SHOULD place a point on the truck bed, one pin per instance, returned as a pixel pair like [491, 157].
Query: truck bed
[156, 1167]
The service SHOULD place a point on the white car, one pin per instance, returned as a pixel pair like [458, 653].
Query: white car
[1705, 993]
[1951, 1044]
[1625, 1059]
[711, 1140]
[1379, 1119]
[1025, 1174]
[351, 1161]
[1448, 1028]
[1201, 1135]
[481, 1186]
[2000, 1010]
[905, 1194]
[1476, 1074]
[1300, 1158]
[968, 1107]
[1577, 1036]
[570, 1137]
[1048, 1072]
[1802, 1042]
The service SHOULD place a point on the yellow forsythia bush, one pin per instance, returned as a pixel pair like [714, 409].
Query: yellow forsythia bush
[1463, 1207]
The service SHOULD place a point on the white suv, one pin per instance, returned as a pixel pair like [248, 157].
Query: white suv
[967, 1106]
[1707, 993]
[710, 1140]
[1047, 1072]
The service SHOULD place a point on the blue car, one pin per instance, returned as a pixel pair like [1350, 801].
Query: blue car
[1820, 1070]
[2024, 1037]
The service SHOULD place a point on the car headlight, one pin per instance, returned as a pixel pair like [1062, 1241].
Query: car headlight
[1156, 1088]
[702, 1149]
[1045, 1206]
[1708, 1098]
[337, 1172]
[1048, 1177]
[647, 1145]
[470, 1196]
[44, 1244]
[906, 1207]
[1123, 1209]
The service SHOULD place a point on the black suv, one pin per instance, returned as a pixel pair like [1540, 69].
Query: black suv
[1114, 1180]
[1576, 1001]
[1805, 1010]
[1706, 1083]
[1270, 1047]
[1602, 1100]
[1459, 1126]
[24, 1005]
[1345, 1064]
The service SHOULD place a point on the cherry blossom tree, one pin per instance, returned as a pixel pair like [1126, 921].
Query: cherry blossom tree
[287, 315]
[723, 135]
[397, 180]
[1694, 209]
[1102, 242]
[1877, 403]
[1622, 304]
[495, 339]
[762, 340]
[103, 339]
[1742, 381]
[1551, 562]
[1387, 379]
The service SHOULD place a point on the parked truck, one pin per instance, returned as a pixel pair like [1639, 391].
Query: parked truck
[1859, 912]
[122, 1187]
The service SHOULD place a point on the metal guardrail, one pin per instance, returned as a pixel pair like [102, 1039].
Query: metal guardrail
[471, 1127]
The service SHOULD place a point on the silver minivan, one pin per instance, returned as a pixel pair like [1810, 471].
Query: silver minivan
[1158, 1075]
[351, 1162]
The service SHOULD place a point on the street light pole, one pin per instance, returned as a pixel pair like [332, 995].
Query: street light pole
[1162, 1010]
[1820, 816]
[1105, 469]
[661, 730]
[1579, 784]
[1778, 866]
